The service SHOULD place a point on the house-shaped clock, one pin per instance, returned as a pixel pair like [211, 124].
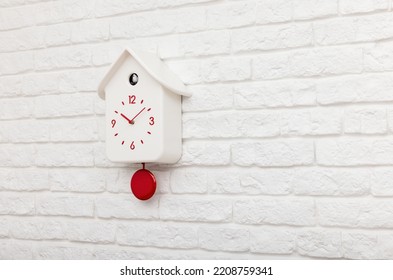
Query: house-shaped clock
[143, 109]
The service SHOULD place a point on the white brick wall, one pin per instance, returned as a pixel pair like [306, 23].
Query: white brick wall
[288, 137]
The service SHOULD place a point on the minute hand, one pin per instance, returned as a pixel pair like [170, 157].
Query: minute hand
[132, 121]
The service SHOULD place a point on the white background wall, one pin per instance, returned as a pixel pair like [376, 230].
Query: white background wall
[288, 145]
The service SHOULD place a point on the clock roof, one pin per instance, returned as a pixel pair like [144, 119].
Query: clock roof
[153, 65]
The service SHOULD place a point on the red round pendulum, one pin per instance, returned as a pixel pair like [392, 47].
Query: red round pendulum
[143, 184]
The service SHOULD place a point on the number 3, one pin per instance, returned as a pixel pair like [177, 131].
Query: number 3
[151, 121]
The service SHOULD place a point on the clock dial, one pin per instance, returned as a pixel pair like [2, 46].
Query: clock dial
[133, 122]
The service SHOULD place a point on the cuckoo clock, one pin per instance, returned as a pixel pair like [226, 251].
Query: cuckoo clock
[143, 114]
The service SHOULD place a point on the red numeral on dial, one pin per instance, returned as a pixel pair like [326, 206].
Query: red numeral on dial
[113, 122]
[131, 99]
[132, 146]
[151, 120]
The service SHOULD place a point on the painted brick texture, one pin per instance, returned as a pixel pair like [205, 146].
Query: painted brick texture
[287, 139]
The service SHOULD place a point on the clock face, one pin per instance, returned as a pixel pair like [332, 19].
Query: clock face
[132, 123]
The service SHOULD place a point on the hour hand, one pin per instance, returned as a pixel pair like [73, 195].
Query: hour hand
[128, 120]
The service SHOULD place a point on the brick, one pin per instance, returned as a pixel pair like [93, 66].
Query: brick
[366, 213]
[259, 181]
[103, 8]
[62, 252]
[4, 227]
[11, 3]
[38, 84]
[226, 69]
[353, 152]
[24, 105]
[13, 250]
[349, 30]
[378, 58]
[194, 209]
[390, 119]
[64, 206]
[273, 11]
[272, 241]
[188, 181]
[272, 37]
[381, 182]
[355, 89]
[365, 121]
[24, 131]
[275, 94]
[206, 98]
[55, 12]
[75, 180]
[224, 239]
[58, 35]
[90, 31]
[363, 6]
[307, 9]
[213, 125]
[126, 207]
[318, 243]
[223, 181]
[157, 235]
[64, 155]
[266, 181]
[273, 153]
[119, 254]
[22, 39]
[80, 80]
[17, 17]
[308, 63]
[64, 105]
[385, 245]
[10, 87]
[205, 153]
[50, 59]
[20, 155]
[38, 229]
[205, 43]
[17, 204]
[311, 122]
[92, 232]
[367, 245]
[275, 211]
[73, 130]
[332, 182]
[156, 24]
[231, 15]
[185, 20]
[359, 245]
[174, 3]
[16, 63]
[125, 253]
[24, 180]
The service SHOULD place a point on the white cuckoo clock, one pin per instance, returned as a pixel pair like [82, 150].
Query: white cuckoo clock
[143, 109]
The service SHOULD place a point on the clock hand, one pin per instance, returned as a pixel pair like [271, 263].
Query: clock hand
[132, 121]
[129, 121]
